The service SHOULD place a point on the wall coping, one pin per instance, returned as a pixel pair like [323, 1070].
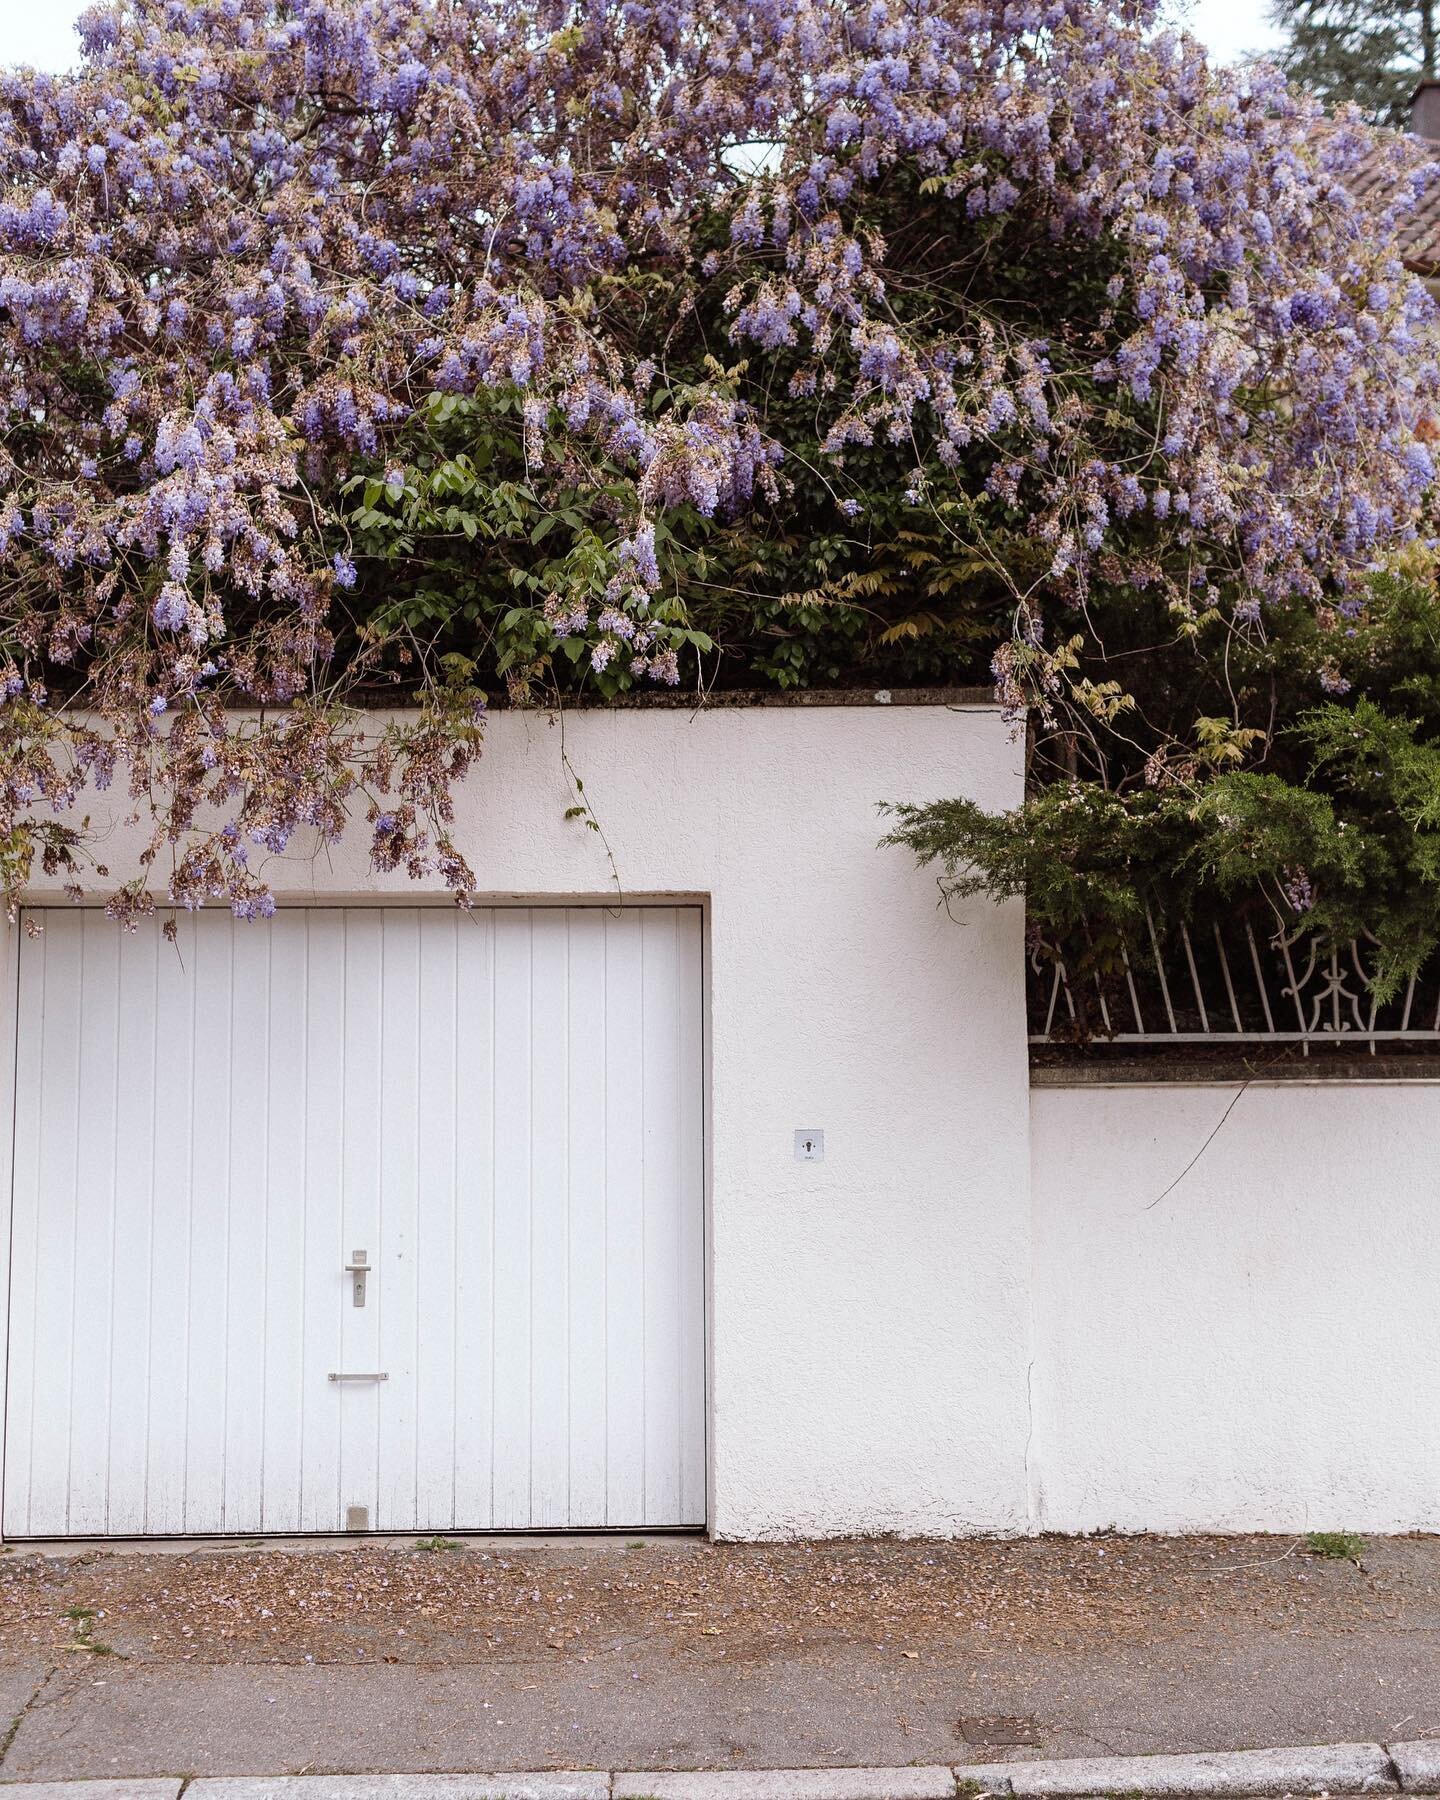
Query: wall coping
[959, 699]
[1324, 1069]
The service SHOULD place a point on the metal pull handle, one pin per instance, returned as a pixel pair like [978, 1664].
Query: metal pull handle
[373, 1375]
[359, 1267]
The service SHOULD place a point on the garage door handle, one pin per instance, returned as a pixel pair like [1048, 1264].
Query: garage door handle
[359, 1267]
[334, 1376]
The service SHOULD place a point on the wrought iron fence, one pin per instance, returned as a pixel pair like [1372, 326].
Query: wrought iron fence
[1227, 982]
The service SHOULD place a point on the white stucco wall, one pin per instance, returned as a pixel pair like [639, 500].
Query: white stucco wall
[868, 1314]
[1260, 1350]
[969, 1317]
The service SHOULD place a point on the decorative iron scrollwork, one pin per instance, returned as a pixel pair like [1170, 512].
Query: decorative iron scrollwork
[1224, 982]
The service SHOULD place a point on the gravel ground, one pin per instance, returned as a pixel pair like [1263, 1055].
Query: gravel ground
[467, 1604]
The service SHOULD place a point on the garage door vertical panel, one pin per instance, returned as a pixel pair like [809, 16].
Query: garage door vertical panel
[395, 1291]
[248, 1247]
[624, 1221]
[144, 1132]
[473, 1254]
[587, 1192]
[41, 1291]
[175, 1209]
[208, 1171]
[358, 1405]
[38, 1050]
[550, 1218]
[325, 1249]
[433, 1488]
[285, 1207]
[511, 1316]
[92, 1265]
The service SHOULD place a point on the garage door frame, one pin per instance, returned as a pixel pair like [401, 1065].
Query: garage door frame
[9, 1086]
[10, 1100]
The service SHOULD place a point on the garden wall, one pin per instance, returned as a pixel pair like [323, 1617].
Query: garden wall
[988, 1308]
[867, 1314]
[1258, 1349]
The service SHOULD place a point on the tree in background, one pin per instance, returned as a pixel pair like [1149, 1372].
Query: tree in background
[1363, 51]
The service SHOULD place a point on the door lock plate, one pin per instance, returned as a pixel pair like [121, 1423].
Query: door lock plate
[358, 1268]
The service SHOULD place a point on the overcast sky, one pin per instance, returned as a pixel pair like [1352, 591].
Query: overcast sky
[39, 31]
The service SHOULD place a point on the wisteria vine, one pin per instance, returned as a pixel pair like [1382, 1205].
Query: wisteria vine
[247, 241]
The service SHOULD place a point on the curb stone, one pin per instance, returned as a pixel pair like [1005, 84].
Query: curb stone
[1418, 1765]
[789, 1784]
[1312, 1769]
[564, 1785]
[139, 1789]
[1328, 1769]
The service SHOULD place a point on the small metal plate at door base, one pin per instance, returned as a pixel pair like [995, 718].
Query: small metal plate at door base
[357, 1518]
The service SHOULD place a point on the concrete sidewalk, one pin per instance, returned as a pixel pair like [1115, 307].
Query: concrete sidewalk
[676, 1657]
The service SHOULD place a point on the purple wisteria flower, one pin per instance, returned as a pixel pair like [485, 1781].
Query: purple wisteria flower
[276, 236]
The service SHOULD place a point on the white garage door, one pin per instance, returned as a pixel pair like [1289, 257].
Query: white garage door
[499, 1114]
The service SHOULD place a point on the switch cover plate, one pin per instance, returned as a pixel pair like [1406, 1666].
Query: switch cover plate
[809, 1144]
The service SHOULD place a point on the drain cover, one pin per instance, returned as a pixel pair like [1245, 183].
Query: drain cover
[999, 1730]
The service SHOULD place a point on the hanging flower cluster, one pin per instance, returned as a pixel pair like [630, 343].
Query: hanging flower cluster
[247, 240]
